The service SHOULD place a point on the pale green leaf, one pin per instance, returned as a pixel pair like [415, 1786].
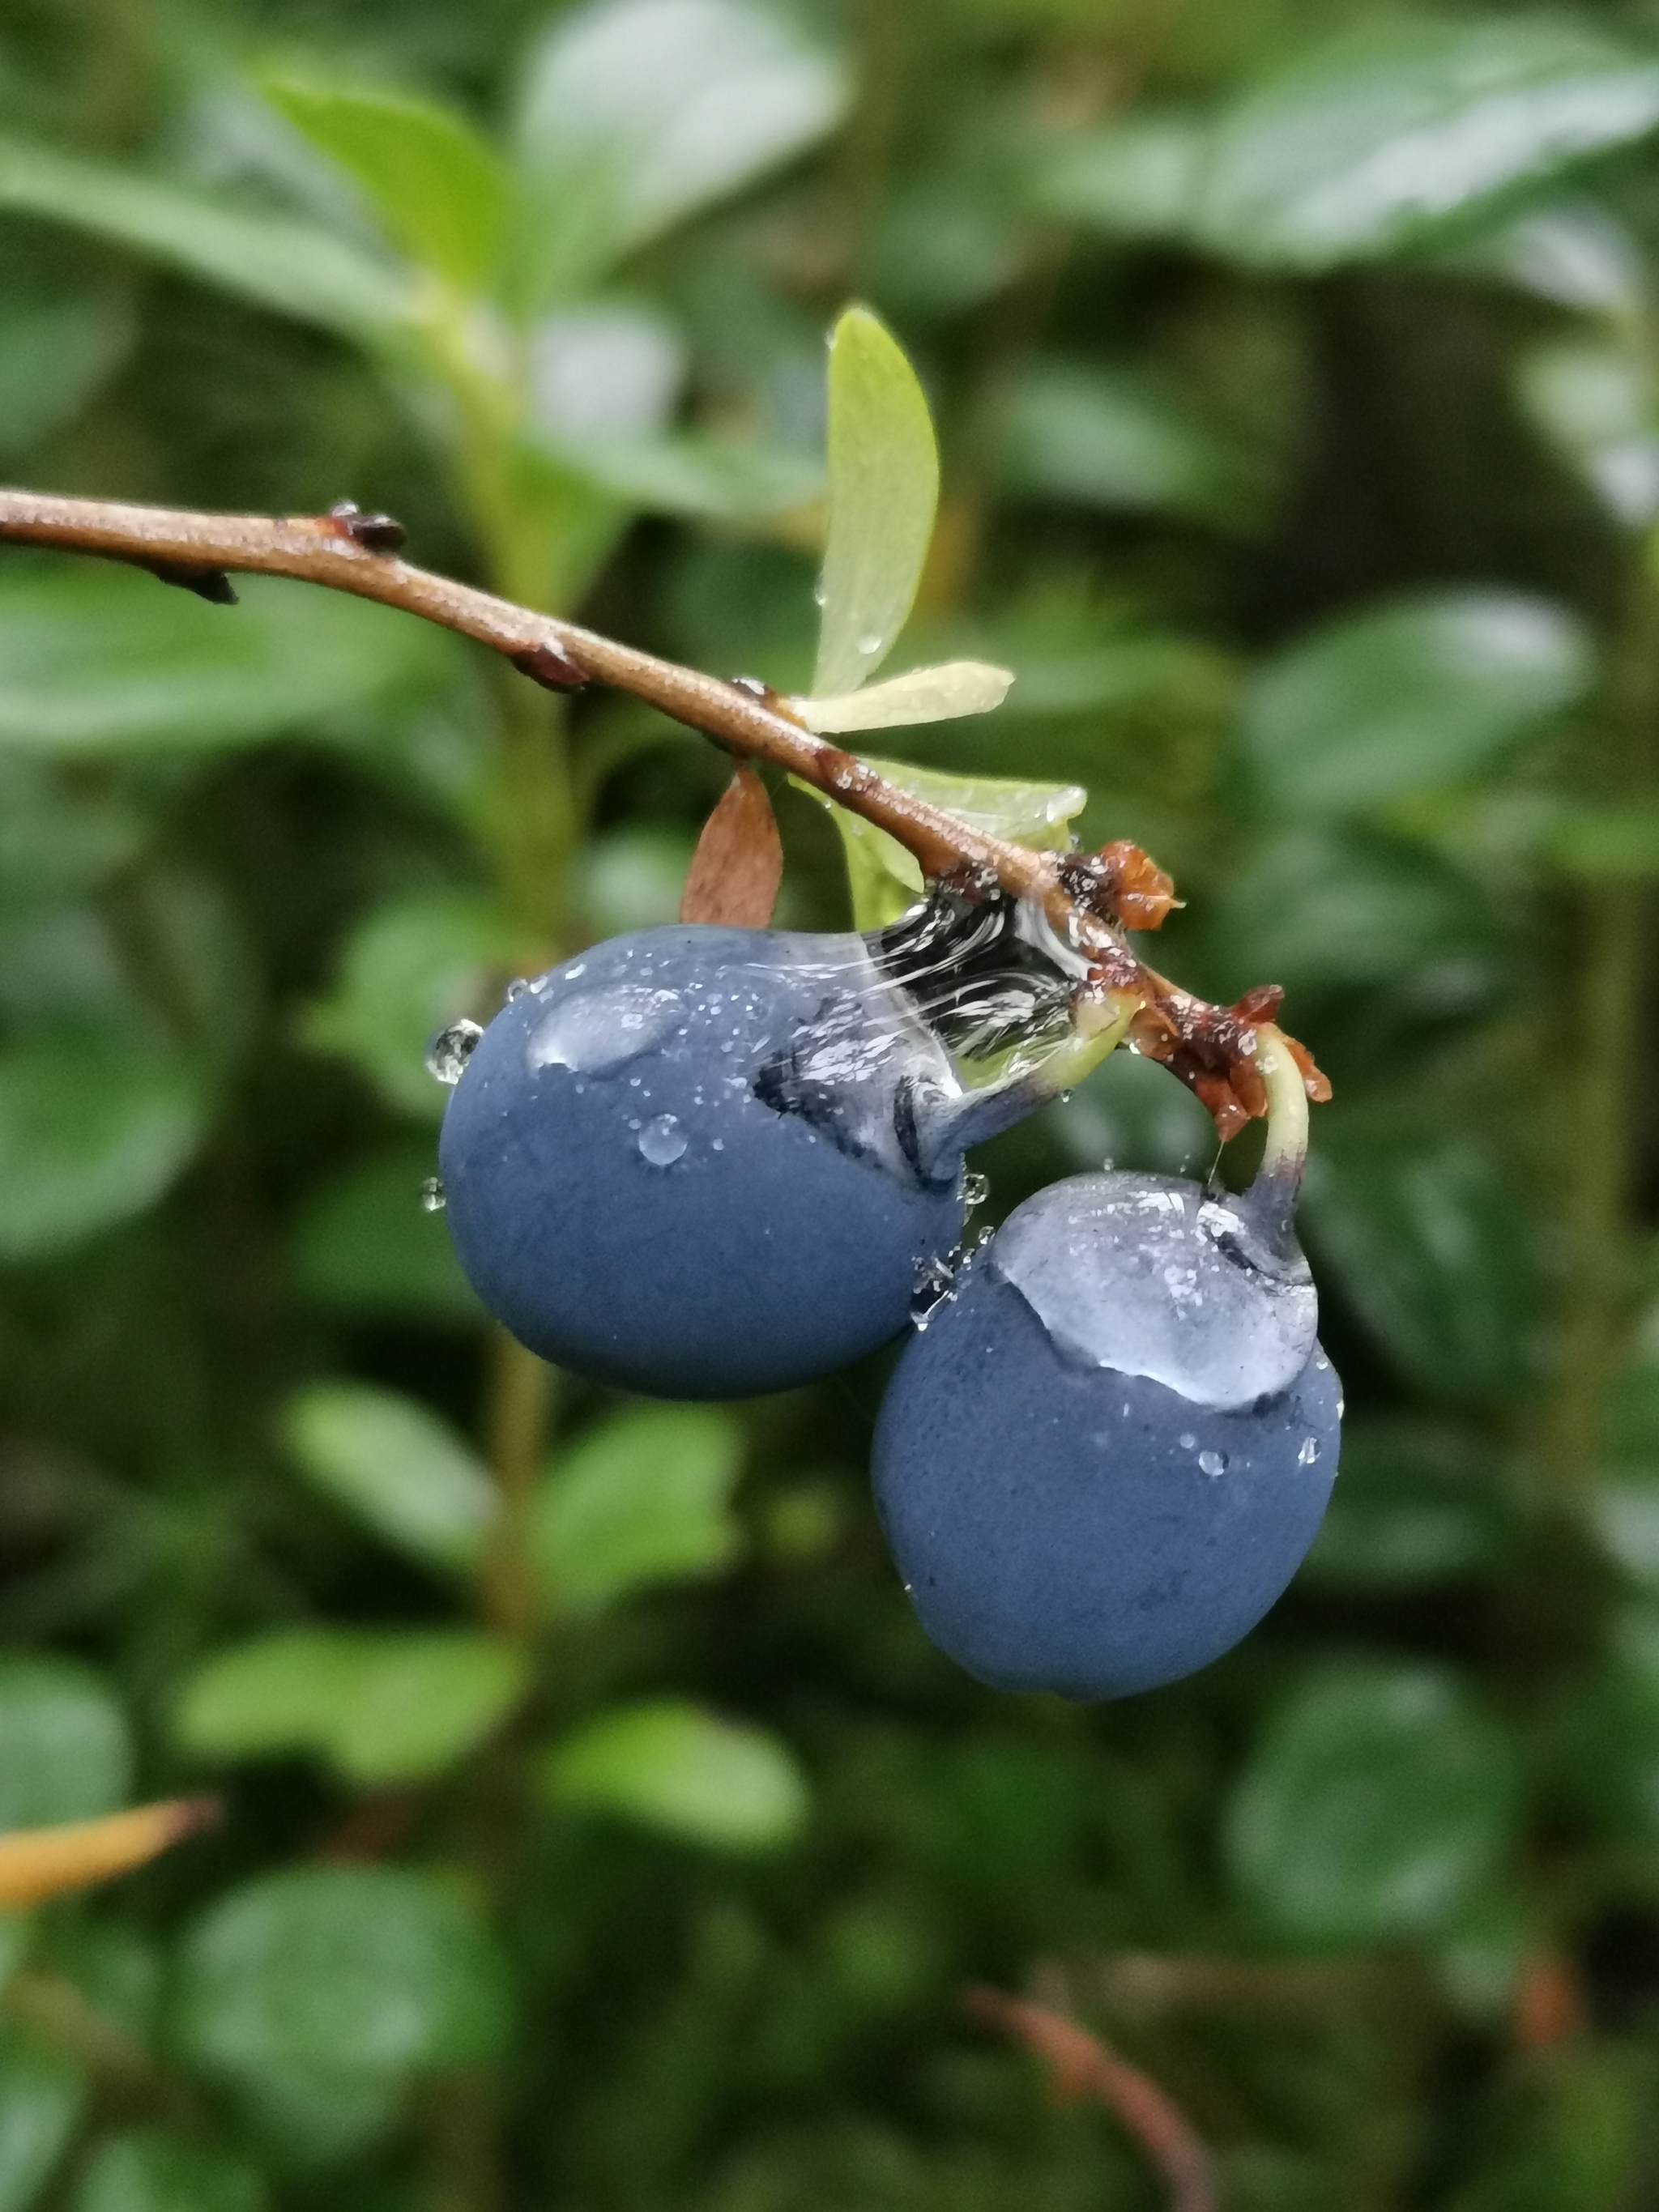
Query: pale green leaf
[92, 1132]
[675, 1768]
[1594, 401]
[289, 266]
[884, 876]
[368, 1972]
[404, 971]
[1115, 438]
[65, 1753]
[884, 488]
[642, 1497]
[713, 479]
[396, 1467]
[923, 694]
[1395, 135]
[381, 1705]
[1138, 179]
[437, 190]
[99, 659]
[634, 113]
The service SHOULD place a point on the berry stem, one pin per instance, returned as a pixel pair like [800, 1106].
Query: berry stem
[1090, 900]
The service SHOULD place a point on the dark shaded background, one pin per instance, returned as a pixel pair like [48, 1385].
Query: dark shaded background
[1312, 505]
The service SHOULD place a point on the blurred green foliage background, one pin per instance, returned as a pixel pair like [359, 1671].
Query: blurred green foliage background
[1296, 366]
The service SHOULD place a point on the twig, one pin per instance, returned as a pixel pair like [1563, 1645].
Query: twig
[1081, 2065]
[1090, 898]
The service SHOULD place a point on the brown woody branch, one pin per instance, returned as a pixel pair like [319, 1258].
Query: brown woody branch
[1091, 898]
[1080, 2065]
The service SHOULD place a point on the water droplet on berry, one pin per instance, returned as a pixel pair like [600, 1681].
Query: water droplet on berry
[662, 1141]
[516, 988]
[1188, 1440]
[432, 1196]
[1213, 1463]
[450, 1050]
[595, 1032]
[1309, 1453]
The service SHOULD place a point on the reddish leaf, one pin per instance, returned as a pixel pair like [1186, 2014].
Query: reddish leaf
[738, 863]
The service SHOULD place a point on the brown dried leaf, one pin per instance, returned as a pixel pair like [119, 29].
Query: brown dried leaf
[738, 864]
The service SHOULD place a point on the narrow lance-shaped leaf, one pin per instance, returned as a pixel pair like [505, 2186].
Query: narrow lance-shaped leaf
[922, 694]
[437, 190]
[738, 864]
[884, 488]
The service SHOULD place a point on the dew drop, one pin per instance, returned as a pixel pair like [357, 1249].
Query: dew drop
[719, 1145]
[1188, 1440]
[662, 1141]
[432, 1196]
[1213, 1463]
[819, 593]
[871, 641]
[1309, 1452]
[450, 1050]
[517, 988]
[976, 1189]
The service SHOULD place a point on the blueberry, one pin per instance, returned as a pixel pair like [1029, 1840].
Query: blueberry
[703, 1163]
[1107, 1453]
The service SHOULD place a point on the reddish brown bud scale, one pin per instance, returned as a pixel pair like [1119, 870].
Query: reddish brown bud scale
[738, 864]
[553, 670]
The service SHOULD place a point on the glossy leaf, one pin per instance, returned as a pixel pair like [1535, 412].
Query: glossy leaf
[1417, 1506]
[396, 1468]
[41, 2097]
[943, 693]
[369, 1972]
[1425, 1239]
[1409, 696]
[364, 1244]
[382, 1705]
[1113, 439]
[1394, 136]
[103, 659]
[407, 969]
[146, 2170]
[1594, 403]
[674, 1767]
[92, 1132]
[884, 488]
[1379, 1801]
[643, 1497]
[437, 190]
[292, 267]
[635, 113]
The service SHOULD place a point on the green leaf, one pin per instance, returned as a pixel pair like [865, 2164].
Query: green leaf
[1140, 178]
[884, 488]
[53, 357]
[885, 879]
[437, 190]
[396, 1468]
[1113, 438]
[407, 969]
[65, 1751]
[1378, 1803]
[105, 659]
[92, 1132]
[1594, 400]
[1425, 1239]
[364, 1244]
[291, 267]
[708, 478]
[1397, 136]
[146, 2170]
[941, 694]
[675, 1768]
[383, 1706]
[642, 1497]
[635, 113]
[1408, 697]
[41, 2096]
[1417, 1506]
[368, 1972]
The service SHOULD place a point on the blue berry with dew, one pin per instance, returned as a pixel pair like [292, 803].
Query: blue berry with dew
[702, 1162]
[1105, 1455]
